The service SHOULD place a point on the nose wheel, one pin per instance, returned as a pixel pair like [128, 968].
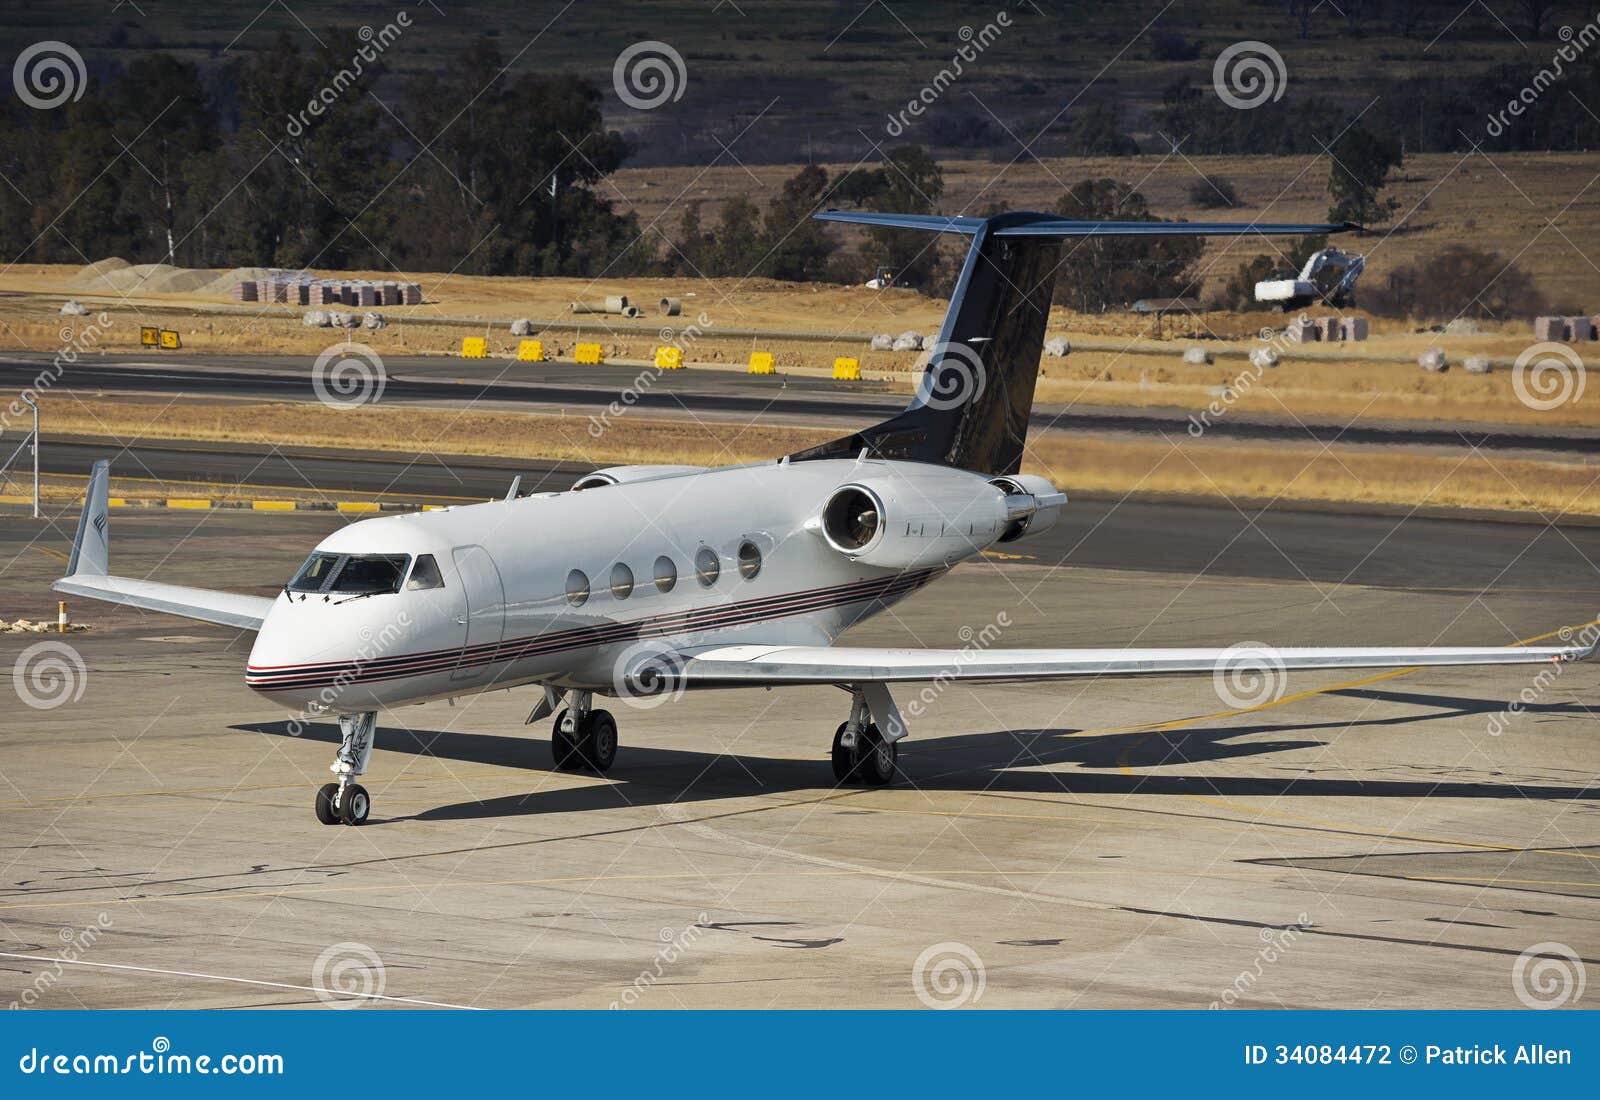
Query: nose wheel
[347, 802]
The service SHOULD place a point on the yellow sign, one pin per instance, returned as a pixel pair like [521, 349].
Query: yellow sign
[149, 337]
[761, 363]
[847, 370]
[530, 351]
[588, 354]
[169, 339]
[669, 358]
[474, 347]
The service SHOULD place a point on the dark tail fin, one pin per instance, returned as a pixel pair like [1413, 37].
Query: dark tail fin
[975, 396]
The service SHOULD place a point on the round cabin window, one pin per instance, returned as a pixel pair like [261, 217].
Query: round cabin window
[577, 588]
[666, 574]
[621, 581]
[706, 567]
[749, 560]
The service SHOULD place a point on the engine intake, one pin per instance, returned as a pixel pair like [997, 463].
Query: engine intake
[852, 519]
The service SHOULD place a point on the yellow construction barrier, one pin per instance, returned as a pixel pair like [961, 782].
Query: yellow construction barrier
[847, 370]
[530, 351]
[588, 354]
[169, 339]
[761, 363]
[149, 337]
[474, 347]
[669, 358]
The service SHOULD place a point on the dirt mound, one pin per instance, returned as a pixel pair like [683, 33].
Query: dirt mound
[90, 275]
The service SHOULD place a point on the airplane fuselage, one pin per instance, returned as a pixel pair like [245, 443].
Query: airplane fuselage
[575, 589]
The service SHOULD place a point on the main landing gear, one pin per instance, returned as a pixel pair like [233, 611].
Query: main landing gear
[583, 739]
[863, 754]
[347, 802]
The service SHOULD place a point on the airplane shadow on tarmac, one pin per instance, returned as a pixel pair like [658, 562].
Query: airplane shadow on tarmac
[999, 761]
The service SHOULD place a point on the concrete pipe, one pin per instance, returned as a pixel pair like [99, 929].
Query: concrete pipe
[671, 307]
[630, 311]
[616, 303]
[589, 307]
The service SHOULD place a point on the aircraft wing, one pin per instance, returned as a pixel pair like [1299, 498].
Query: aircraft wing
[759, 665]
[91, 555]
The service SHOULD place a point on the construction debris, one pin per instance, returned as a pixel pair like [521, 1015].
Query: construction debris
[1301, 330]
[907, 341]
[73, 308]
[1197, 356]
[373, 320]
[1057, 346]
[882, 342]
[522, 327]
[1432, 360]
[1264, 357]
[316, 318]
[1477, 364]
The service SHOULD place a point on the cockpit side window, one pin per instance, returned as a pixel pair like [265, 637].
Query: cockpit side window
[351, 574]
[425, 574]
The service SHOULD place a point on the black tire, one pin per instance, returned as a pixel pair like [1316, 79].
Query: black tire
[598, 745]
[355, 805]
[563, 747]
[325, 811]
[876, 758]
[844, 761]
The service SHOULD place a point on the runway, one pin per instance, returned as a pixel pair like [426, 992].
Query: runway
[1116, 844]
[567, 387]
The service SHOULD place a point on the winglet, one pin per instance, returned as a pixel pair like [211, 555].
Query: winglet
[91, 546]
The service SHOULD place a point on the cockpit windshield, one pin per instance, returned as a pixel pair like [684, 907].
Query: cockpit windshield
[350, 574]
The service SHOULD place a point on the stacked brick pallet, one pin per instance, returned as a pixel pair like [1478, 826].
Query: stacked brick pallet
[1567, 330]
[300, 289]
[1307, 330]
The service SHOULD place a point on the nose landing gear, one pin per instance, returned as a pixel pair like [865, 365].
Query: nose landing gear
[347, 802]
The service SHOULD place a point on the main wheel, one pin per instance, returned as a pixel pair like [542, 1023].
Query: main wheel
[563, 746]
[355, 805]
[844, 760]
[325, 811]
[875, 758]
[598, 744]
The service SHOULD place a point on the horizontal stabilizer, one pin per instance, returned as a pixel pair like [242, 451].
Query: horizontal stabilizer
[1029, 224]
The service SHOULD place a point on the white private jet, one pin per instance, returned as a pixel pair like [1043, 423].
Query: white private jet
[645, 580]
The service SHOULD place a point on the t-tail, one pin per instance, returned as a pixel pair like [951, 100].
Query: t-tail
[975, 395]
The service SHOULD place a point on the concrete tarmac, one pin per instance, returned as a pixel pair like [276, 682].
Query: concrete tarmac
[1382, 840]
